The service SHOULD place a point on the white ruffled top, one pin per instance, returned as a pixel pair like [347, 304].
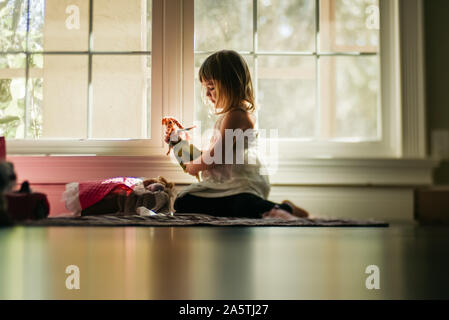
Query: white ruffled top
[224, 180]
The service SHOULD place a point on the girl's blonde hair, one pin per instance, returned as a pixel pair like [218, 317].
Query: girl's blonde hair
[232, 81]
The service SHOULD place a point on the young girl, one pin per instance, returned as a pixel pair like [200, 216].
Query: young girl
[230, 189]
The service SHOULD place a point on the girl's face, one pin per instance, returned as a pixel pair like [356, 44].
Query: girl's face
[210, 91]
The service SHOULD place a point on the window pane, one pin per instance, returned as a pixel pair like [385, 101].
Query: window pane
[120, 88]
[205, 113]
[35, 96]
[223, 25]
[286, 25]
[349, 25]
[59, 25]
[59, 97]
[35, 117]
[122, 25]
[287, 95]
[350, 96]
[12, 95]
[13, 26]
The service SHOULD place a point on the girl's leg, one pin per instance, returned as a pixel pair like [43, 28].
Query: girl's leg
[251, 206]
[296, 211]
[278, 213]
[255, 207]
[194, 204]
[240, 205]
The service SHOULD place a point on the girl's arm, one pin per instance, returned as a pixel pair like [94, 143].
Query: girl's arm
[232, 120]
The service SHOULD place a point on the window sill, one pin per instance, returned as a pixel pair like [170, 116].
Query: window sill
[355, 172]
[300, 172]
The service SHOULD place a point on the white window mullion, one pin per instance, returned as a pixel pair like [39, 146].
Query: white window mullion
[188, 62]
[413, 81]
[27, 73]
[89, 68]
[390, 77]
[256, 58]
[145, 108]
[172, 58]
[27, 95]
[318, 115]
[157, 72]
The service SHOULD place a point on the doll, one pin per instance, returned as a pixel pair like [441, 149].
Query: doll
[183, 150]
[119, 195]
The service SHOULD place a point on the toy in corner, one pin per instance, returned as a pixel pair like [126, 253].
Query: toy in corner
[183, 150]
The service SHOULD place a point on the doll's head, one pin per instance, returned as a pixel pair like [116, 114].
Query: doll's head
[158, 184]
[226, 81]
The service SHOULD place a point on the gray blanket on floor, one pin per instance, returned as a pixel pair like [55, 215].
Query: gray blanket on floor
[197, 220]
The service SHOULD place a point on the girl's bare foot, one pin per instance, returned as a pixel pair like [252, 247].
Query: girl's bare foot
[296, 211]
[277, 213]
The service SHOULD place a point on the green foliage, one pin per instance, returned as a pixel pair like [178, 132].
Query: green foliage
[13, 37]
[13, 25]
[5, 93]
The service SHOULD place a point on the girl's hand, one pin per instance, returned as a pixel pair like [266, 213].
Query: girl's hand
[167, 136]
[193, 168]
[175, 135]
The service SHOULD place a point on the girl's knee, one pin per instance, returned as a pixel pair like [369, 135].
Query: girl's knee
[185, 204]
[178, 205]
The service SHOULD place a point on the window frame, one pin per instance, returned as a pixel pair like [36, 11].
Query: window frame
[110, 147]
[173, 91]
[388, 145]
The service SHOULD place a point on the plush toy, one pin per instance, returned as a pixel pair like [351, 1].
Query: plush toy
[120, 195]
[158, 184]
[7, 182]
[183, 150]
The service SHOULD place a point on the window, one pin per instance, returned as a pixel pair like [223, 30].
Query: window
[77, 72]
[293, 69]
[316, 68]
[96, 76]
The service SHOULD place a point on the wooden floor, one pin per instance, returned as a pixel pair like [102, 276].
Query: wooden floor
[224, 263]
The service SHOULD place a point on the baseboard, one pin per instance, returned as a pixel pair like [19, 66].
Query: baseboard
[389, 204]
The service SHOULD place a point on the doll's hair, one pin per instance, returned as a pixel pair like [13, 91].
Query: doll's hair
[232, 80]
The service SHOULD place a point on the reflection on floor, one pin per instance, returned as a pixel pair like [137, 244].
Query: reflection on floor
[224, 263]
